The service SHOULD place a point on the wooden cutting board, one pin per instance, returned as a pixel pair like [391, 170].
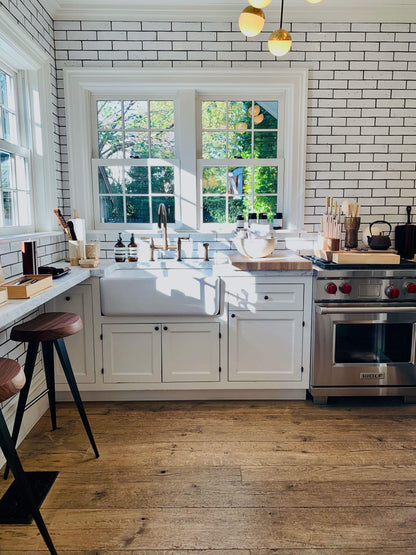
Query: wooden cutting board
[284, 261]
[366, 257]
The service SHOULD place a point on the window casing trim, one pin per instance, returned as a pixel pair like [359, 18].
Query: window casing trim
[81, 85]
[33, 68]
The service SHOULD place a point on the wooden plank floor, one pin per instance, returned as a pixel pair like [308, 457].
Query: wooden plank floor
[226, 478]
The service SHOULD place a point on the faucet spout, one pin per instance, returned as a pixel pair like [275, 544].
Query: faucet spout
[161, 213]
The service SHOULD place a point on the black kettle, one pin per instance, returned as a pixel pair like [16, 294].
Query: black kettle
[379, 242]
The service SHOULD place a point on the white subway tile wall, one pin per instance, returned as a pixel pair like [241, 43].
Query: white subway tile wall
[361, 98]
[51, 247]
[362, 95]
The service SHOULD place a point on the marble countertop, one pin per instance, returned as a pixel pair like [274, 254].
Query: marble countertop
[18, 308]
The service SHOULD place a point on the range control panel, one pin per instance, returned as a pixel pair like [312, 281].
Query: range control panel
[366, 289]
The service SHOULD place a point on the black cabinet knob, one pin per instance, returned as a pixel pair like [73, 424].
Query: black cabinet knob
[156, 328]
[67, 298]
[232, 315]
[266, 297]
[165, 328]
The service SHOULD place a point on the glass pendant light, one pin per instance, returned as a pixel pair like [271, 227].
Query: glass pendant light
[251, 21]
[261, 3]
[280, 40]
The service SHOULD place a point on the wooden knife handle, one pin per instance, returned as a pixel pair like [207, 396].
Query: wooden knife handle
[408, 210]
[62, 221]
[70, 224]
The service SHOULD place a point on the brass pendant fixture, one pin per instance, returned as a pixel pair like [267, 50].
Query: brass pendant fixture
[251, 22]
[280, 41]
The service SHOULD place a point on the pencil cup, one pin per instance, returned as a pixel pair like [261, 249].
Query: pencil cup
[352, 225]
[92, 250]
[76, 252]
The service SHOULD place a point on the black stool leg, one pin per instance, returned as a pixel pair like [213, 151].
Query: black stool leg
[32, 351]
[66, 367]
[47, 350]
[13, 461]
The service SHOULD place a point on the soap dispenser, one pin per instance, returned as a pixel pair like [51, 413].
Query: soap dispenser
[119, 250]
[132, 250]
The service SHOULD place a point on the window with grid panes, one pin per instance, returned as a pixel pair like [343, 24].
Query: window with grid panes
[16, 209]
[189, 140]
[135, 164]
[239, 166]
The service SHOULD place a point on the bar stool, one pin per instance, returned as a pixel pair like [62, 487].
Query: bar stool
[49, 329]
[12, 379]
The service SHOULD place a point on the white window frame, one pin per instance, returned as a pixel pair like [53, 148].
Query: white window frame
[33, 68]
[95, 162]
[81, 84]
[275, 162]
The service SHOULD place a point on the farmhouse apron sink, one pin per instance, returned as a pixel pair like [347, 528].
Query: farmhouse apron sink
[160, 289]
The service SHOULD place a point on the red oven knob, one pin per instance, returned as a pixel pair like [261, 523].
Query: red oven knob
[345, 288]
[392, 292]
[331, 288]
[411, 287]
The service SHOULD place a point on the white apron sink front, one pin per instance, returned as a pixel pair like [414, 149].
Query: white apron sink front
[160, 290]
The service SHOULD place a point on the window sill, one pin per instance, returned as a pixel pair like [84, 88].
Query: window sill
[36, 235]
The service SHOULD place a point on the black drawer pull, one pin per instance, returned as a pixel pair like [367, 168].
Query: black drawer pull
[232, 315]
[165, 328]
[67, 298]
[266, 297]
[156, 328]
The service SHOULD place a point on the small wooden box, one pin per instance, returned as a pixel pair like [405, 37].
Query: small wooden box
[28, 289]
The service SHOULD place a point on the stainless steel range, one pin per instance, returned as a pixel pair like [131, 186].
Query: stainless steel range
[364, 331]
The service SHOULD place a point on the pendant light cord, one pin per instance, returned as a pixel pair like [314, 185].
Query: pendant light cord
[281, 14]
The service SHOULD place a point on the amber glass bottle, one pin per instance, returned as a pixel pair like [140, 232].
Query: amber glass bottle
[119, 250]
[132, 250]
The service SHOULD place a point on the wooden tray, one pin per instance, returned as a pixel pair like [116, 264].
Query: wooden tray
[28, 289]
[88, 262]
[366, 257]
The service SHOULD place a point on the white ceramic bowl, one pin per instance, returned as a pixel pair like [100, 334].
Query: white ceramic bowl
[255, 248]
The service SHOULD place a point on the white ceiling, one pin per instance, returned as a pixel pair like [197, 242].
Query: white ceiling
[365, 11]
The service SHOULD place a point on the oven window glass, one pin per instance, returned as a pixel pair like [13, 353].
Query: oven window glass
[373, 343]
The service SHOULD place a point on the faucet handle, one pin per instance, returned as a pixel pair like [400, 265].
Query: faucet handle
[179, 245]
[206, 245]
[152, 250]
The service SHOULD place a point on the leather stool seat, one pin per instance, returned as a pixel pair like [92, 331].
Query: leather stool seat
[12, 378]
[47, 327]
[49, 331]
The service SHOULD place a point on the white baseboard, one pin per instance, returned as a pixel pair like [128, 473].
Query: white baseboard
[195, 395]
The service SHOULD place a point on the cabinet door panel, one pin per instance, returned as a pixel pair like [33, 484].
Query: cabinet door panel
[80, 346]
[190, 352]
[131, 353]
[265, 346]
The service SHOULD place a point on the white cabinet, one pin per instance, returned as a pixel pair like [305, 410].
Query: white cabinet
[190, 352]
[132, 353]
[266, 330]
[80, 346]
[265, 346]
[155, 353]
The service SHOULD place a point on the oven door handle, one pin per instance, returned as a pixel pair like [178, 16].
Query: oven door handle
[365, 310]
